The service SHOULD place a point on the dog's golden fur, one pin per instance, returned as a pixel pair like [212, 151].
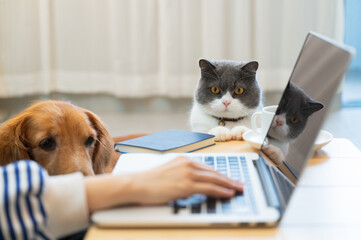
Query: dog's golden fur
[61, 137]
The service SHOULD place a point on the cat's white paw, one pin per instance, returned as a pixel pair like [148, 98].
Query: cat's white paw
[222, 134]
[238, 131]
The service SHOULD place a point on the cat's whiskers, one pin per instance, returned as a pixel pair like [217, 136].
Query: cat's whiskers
[280, 132]
[233, 110]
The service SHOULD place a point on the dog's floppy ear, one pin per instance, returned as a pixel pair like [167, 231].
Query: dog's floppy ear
[104, 149]
[13, 144]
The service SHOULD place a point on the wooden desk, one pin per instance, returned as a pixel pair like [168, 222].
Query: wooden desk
[326, 205]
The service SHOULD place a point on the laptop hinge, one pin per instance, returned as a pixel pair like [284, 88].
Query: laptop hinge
[267, 184]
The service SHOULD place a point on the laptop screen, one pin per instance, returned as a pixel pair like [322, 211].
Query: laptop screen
[303, 106]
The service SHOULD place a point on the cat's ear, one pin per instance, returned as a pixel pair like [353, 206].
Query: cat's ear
[314, 106]
[206, 65]
[251, 67]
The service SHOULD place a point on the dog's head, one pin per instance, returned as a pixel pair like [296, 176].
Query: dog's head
[61, 137]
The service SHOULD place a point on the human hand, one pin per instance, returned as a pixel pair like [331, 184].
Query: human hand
[181, 178]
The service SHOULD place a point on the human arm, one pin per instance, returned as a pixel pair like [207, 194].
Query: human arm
[36, 206]
[68, 200]
[22, 208]
[178, 178]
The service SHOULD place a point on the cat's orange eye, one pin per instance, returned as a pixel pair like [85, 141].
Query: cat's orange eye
[239, 91]
[293, 119]
[215, 90]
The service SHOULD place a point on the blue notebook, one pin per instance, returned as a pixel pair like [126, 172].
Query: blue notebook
[172, 140]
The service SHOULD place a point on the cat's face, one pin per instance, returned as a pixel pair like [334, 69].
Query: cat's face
[228, 89]
[292, 114]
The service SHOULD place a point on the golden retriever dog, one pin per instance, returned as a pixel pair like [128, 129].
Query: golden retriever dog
[61, 137]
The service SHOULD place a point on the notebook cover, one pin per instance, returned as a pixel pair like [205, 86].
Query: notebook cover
[166, 140]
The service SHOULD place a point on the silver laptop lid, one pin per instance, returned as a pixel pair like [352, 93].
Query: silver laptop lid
[302, 109]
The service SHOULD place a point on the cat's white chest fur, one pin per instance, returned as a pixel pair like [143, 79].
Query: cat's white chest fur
[205, 119]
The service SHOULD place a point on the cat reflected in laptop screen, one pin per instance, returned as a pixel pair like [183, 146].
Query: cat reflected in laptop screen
[289, 122]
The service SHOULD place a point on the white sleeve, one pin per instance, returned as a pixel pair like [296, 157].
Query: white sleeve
[36, 206]
[22, 211]
[66, 204]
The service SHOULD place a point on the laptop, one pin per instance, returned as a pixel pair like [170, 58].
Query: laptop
[268, 182]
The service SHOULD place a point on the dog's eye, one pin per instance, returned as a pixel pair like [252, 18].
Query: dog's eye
[48, 144]
[89, 141]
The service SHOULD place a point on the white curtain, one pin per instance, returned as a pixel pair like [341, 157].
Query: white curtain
[140, 48]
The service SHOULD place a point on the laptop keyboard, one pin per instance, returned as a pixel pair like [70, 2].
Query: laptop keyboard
[234, 167]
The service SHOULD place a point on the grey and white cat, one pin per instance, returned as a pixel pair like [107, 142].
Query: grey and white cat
[225, 98]
[291, 117]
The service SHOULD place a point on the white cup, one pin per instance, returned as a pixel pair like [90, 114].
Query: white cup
[266, 116]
